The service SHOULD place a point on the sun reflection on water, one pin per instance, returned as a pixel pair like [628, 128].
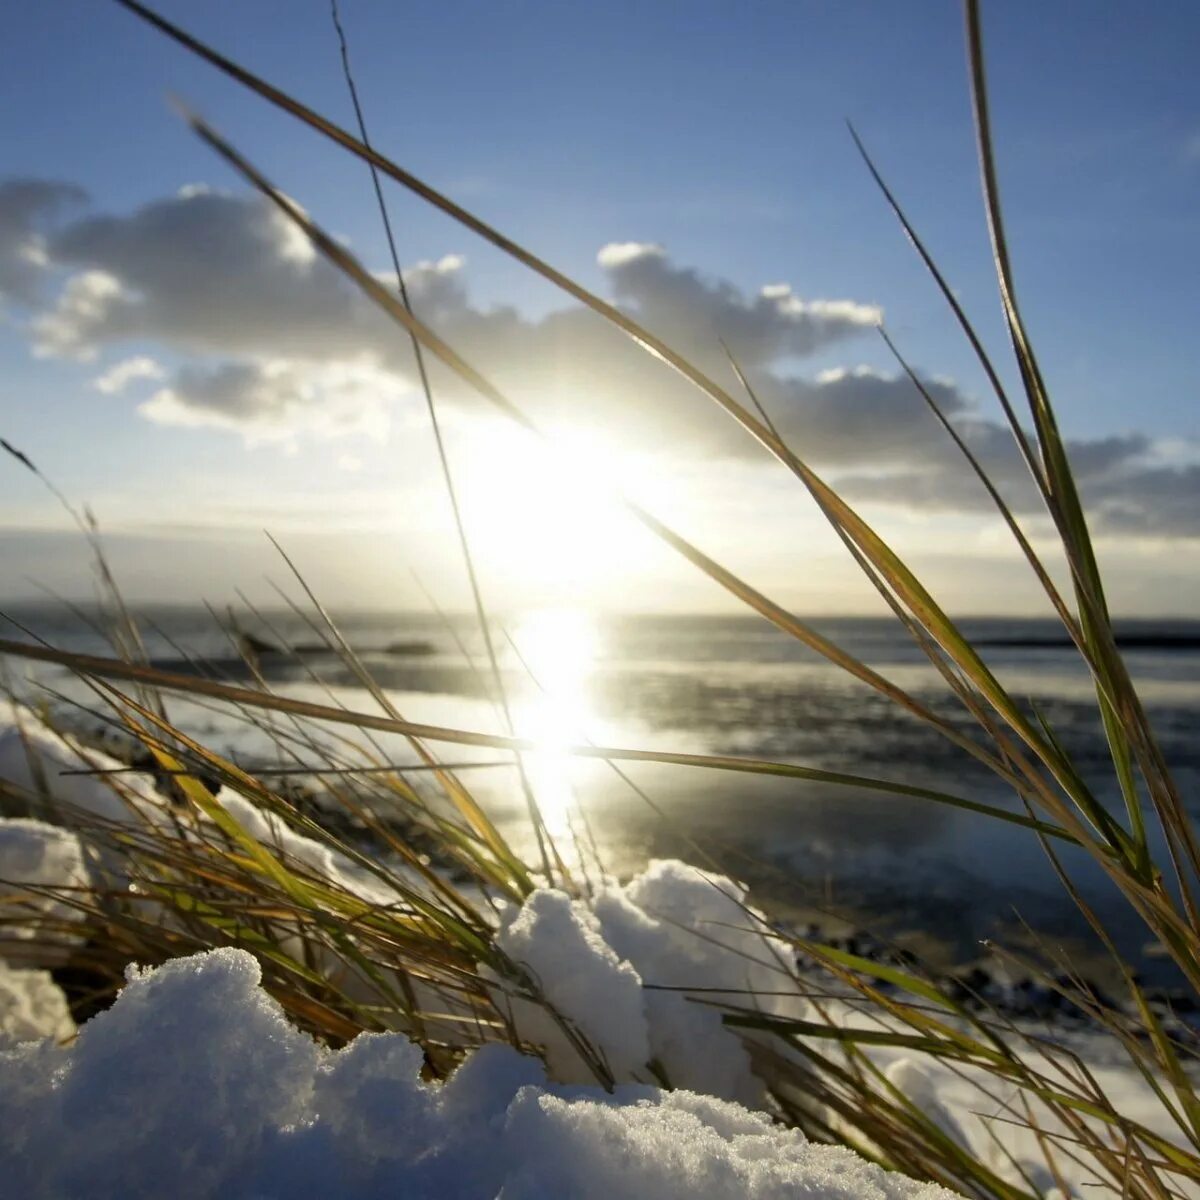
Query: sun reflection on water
[558, 647]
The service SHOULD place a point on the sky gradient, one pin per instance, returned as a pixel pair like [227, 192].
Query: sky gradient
[175, 357]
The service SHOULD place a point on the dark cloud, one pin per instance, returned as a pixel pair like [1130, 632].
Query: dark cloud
[200, 271]
[1159, 501]
[1124, 486]
[27, 209]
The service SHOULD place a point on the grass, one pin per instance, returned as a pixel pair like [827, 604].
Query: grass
[421, 954]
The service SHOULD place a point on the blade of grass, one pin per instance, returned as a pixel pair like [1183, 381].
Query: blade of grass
[464, 544]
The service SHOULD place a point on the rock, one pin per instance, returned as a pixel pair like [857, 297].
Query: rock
[410, 649]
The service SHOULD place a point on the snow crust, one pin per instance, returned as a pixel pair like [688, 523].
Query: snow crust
[195, 1085]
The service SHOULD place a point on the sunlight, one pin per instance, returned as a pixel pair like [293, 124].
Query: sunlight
[558, 646]
[547, 517]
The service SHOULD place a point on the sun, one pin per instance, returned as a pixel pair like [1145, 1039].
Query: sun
[546, 518]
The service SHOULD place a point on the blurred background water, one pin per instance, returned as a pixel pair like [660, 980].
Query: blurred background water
[913, 869]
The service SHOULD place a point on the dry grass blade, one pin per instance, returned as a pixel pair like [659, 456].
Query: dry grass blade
[899, 577]
[464, 543]
[941, 628]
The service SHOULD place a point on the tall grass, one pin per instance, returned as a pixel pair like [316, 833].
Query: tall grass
[426, 961]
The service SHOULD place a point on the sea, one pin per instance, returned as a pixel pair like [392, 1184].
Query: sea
[938, 879]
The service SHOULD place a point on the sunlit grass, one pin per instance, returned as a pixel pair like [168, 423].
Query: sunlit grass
[340, 963]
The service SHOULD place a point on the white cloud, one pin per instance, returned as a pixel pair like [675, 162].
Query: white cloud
[85, 301]
[685, 306]
[617, 254]
[119, 376]
[278, 400]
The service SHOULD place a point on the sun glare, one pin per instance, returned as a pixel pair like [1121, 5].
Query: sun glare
[548, 518]
[558, 647]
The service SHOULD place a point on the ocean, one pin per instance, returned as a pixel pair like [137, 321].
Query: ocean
[935, 877]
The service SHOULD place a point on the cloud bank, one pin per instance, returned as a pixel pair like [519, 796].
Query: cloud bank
[271, 343]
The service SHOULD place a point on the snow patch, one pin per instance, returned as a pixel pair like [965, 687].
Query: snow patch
[194, 1085]
[560, 944]
[33, 760]
[40, 866]
[640, 974]
[32, 1006]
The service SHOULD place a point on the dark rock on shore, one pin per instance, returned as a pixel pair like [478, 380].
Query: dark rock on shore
[1125, 641]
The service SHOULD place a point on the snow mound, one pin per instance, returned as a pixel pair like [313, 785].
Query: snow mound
[32, 1006]
[639, 973]
[40, 866]
[33, 759]
[560, 944]
[679, 1146]
[165, 1093]
[195, 1085]
[35, 861]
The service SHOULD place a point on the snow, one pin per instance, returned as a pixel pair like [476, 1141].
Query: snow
[35, 856]
[678, 1146]
[560, 944]
[322, 861]
[621, 970]
[916, 1084]
[34, 757]
[195, 1085]
[685, 930]
[35, 859]
[163, 1093]
[32, 1006]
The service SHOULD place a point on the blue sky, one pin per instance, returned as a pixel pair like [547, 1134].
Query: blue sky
[713, 130]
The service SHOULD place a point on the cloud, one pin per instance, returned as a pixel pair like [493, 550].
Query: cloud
[205, 271]
[278, 347]
[1126, 485]
[120, 375]
[277, 400]
[682, 306]
[844, 417]
[1156, 501]
[200, 271]
[27, 209]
